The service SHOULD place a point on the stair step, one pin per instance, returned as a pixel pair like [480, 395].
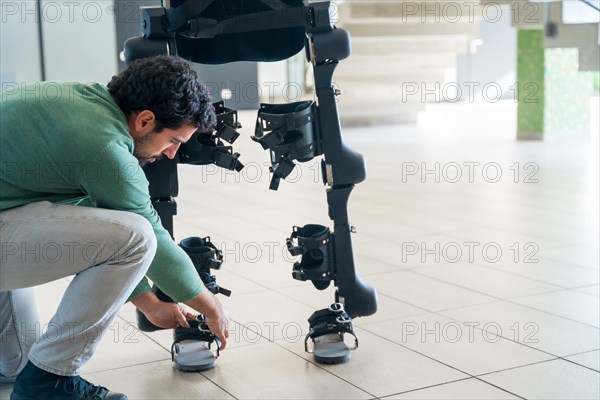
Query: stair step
[379, 113]
[395, 27]
[381, 82]
[444, 9]
[394, 64]
[395, 44]
[410, 44]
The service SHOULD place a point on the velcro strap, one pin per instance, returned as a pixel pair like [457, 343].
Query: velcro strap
[227, 133]
[294, 250]
[209, 259]
[198, 330]
[309, 237]
[226, 160]
[324, 328]
[328, 321]
[179, 16]
[271, 139]
[274, 185]
[284, 168]
[281, 122]
[206, 151]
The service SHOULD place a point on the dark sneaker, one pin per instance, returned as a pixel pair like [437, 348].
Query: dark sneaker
[34, 383]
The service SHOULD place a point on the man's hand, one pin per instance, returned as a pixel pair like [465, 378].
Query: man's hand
[216, 317]
[161, 314]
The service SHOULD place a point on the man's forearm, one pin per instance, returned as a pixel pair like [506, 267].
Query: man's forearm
[145, 302]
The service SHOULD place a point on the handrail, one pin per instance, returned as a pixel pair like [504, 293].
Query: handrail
[591, 5]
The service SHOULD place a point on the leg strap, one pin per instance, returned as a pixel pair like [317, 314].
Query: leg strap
[208, 147]
[315, 244]
[205, 256]
[191, 348]
[289, 132]
[330, 320]
[198, 330]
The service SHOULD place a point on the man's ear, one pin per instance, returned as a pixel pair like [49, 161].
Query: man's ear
[145, 121]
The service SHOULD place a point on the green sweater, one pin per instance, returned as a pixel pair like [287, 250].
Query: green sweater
[69, 143]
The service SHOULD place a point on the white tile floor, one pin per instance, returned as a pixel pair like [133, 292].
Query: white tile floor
[486, 290]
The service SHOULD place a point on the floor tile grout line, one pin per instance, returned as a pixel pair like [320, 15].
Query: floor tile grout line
[516, 367]
[440, 314]
[532, 221]
[527, 217]
[554, 315]
[583, 352]
[501, 388]
[480, 265]
[551, 244]
[507, 299]
[584, 286]
[275, 342]
[415, 269]
[451, 382]
[425, 387]
[508, 339]
[576, 290]
[527, 277]
[579, 266]
[157, 361]
[126, 366]
[316, 364]
[418, 352]
[216, 384]
[324, 369]
[579, 364]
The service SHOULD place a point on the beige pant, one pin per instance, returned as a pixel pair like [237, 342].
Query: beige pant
[108, 252]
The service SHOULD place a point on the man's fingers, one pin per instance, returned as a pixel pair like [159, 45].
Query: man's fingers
[223, 342]
[181, 318]
[190, 315]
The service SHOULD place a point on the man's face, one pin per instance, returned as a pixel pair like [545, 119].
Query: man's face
[150, 145]
[153, 146]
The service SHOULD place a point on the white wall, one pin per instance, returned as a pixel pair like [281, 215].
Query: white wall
[19, 50]
[494, 61]
[79, 40]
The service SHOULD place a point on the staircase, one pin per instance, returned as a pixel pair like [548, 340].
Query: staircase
[404, 51]
[401, 54]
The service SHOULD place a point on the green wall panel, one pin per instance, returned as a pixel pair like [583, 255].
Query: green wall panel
[530, 78]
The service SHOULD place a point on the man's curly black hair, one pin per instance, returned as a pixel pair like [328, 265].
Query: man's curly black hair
[167, 86]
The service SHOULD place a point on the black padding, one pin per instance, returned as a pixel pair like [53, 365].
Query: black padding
[207, 148]
[140, 47]
[333, 45]
[315, 244]
[261, 45]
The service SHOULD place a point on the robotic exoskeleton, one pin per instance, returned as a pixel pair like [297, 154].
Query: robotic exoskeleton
[221, 31]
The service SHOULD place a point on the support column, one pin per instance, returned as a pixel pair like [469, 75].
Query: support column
[530, 78]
